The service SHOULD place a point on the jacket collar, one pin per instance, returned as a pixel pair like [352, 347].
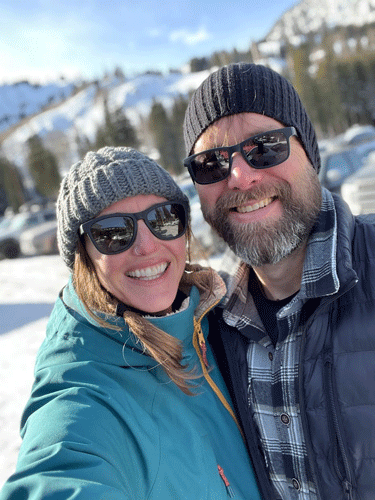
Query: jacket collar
[207, 291]
[327, 267]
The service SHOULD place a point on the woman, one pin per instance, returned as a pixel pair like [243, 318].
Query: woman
[127, 401]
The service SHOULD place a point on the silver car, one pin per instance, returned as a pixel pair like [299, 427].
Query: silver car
[12, 228]
[358, 190]
[40, 240]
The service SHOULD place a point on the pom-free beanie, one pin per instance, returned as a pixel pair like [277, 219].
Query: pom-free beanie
[252, 88]
[99, 180]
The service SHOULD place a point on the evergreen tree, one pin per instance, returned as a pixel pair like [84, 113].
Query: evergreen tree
[161, 129]
[177, 119]
[83, 145]
[305, 85]
[116, 131]
[123, 132]
[12, 191]
[167, 132]
[118, 73]
[331, 103]
[43, 168]
[199, 64]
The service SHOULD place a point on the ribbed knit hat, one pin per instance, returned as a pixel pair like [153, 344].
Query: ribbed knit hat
[253, 88]
[98, 181]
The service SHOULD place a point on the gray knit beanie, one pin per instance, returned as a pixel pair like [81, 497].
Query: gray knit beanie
[102, 178]
[252, 88]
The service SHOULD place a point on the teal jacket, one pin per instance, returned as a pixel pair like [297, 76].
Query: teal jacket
[104, 421]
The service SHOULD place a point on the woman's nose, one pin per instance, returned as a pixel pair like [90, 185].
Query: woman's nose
[145, 242]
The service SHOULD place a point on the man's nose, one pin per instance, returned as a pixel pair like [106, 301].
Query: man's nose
[242, 175]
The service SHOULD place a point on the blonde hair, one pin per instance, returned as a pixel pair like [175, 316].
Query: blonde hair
[162, 347]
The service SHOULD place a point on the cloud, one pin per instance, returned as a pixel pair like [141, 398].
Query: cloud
[155, 33]
[189, 37]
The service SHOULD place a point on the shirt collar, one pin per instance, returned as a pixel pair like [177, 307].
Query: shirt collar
[319, 277]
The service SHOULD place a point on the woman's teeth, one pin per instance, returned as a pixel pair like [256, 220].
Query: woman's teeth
[256, 206]
[148, 273]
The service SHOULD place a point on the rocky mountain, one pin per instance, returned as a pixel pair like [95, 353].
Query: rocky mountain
[64, 113]
[309, 16]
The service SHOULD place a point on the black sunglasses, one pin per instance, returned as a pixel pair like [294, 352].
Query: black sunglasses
[115, 233]
[264, 150]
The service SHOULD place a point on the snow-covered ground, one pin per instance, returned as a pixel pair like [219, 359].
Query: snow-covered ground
[28, 290]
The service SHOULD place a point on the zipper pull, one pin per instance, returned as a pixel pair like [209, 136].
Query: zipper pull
[202, 342]
[348, 488]
[226, 482]
[204, 353]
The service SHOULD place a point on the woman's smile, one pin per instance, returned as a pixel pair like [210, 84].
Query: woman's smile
[148, 273]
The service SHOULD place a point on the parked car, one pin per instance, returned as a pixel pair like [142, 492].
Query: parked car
[40, 239]
[11, 229]
[358, 134]
[358, 190]
[340, 161]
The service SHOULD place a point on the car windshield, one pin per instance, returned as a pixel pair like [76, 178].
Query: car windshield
[5, 223]
[340, 161]
[21, 221]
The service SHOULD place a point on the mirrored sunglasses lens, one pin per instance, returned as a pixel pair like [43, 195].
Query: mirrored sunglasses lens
[167, 221]
[267, 150]
[113, 235]
[211, 166]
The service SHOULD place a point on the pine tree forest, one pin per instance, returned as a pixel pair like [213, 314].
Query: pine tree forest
[333, 72]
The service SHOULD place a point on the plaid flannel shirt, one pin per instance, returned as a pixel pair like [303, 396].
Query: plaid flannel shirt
[273, 395]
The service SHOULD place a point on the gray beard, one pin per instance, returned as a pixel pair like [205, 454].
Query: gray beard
[262, 243]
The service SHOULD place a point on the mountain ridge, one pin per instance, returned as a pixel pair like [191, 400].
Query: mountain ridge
[309, 16]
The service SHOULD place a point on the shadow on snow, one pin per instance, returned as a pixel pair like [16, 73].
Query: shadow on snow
[14, 316]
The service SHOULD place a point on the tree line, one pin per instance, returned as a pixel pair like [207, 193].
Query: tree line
[338, 90]
[162, 132]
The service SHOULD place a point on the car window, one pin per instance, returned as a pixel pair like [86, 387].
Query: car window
[339, 162]
[365, 136]
[32, 221]
[49, 216]
[17, 222]
[5, 223]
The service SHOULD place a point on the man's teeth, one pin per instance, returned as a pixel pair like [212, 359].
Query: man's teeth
[148, 273]
[251, 208]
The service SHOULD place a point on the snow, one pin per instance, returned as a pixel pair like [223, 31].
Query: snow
[28, 289]
[310, 15]
[80, 114]
[24, 98]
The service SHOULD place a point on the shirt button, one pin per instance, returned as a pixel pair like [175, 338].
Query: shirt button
[285, 418]
[296, 484]
[270, 355]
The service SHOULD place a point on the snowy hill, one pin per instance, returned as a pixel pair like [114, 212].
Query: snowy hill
[23, 99]
[62, 114]
[311, 15]
[79, 115]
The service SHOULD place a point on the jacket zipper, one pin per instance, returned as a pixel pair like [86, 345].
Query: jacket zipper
[345, 481]
[199, 344]
[301, 392]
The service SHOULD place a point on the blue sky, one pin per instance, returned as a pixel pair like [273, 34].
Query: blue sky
[40, 40]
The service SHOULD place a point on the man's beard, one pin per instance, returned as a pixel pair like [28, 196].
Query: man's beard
[268, 241]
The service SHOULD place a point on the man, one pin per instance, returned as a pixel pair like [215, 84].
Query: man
[297, 330]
